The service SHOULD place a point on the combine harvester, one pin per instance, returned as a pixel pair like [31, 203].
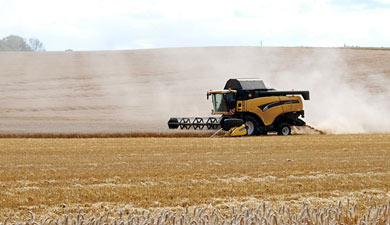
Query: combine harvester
[247, 107]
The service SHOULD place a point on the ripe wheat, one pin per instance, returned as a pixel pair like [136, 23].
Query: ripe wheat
[307, 214]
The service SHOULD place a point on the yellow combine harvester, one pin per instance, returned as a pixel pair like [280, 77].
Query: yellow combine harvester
[247, 107]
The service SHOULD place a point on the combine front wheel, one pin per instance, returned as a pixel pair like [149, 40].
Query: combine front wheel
[251, 125]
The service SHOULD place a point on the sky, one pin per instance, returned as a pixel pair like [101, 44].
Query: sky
[138, 24]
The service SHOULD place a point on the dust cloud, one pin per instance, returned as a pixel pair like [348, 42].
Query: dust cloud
[346, 96]
[138, 90]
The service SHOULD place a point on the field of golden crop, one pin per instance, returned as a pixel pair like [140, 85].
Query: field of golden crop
[53, 177]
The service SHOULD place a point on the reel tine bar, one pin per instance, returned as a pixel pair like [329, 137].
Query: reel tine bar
[197, 123]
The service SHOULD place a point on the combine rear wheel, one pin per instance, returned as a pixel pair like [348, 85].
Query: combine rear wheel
[284, 129]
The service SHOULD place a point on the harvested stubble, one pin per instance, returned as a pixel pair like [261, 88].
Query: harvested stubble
[172, 134]
[54, 177]
[307, 214]
[109, 135]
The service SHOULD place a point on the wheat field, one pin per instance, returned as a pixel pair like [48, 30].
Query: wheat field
[84, 139]
[139, 90]
[162, 176]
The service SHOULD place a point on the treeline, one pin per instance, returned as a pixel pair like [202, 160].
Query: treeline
[17, 43]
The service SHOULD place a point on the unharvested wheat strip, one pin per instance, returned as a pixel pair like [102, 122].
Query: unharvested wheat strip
[309, 214]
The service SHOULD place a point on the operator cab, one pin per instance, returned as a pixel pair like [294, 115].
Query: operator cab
[223, 101]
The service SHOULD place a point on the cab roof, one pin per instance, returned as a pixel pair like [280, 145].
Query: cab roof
[245, 84]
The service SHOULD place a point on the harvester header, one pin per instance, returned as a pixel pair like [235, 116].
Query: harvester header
[248, 107]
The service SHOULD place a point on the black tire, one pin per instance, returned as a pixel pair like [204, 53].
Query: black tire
[252, 125]
[284, 129]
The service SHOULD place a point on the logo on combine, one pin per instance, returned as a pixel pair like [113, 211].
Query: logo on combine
[274, 104]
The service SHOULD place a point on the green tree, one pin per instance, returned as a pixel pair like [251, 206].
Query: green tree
[17, 43]
[36, 45]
